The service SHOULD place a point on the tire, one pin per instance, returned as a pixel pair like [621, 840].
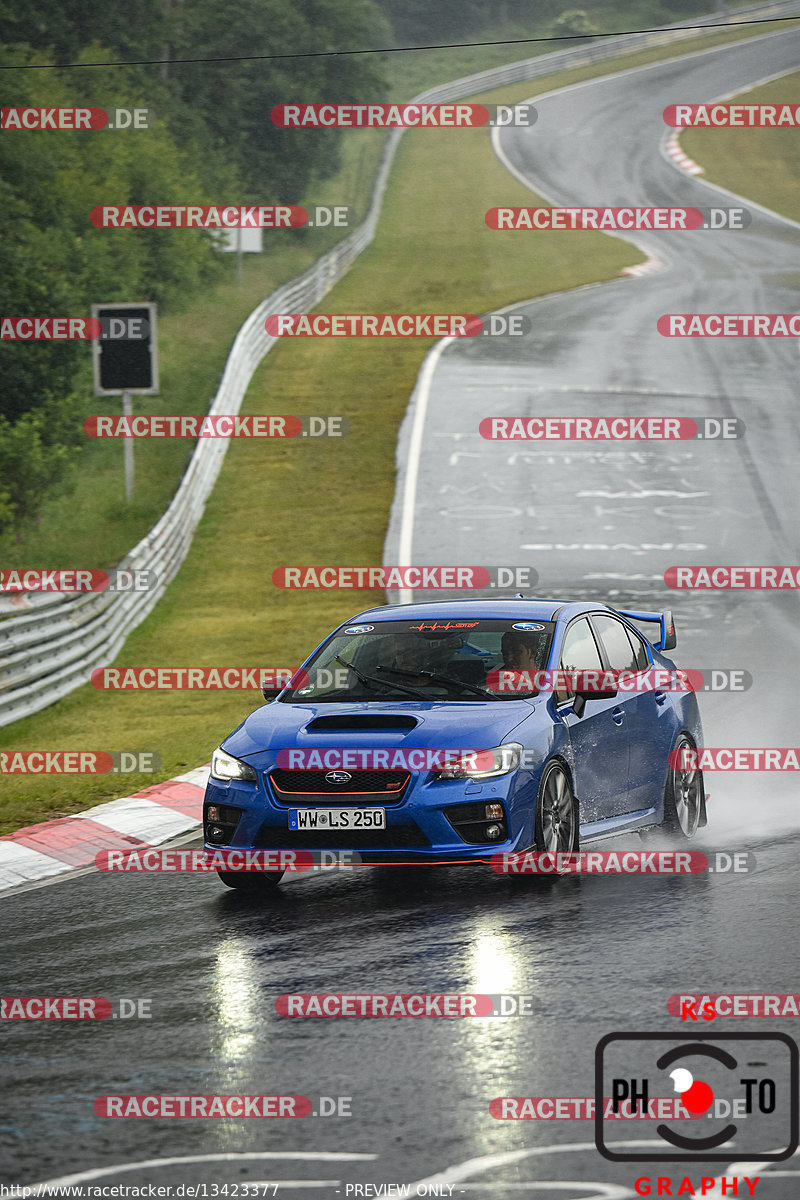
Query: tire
[556, 825]
[251, 881]
[684, 797]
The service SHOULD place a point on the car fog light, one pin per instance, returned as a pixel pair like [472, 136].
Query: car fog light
[494, 812]
[215, 833]
[493, 832]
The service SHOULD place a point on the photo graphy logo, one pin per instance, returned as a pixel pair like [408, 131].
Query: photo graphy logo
[743, 1087]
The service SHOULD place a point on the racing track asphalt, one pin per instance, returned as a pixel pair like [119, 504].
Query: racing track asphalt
[595, 954]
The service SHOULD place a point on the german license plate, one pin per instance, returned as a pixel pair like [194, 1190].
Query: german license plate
[337, 818]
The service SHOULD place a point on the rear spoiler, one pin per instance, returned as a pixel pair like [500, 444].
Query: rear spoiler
[668, 639]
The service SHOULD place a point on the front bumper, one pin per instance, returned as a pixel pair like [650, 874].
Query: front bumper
[435, 820]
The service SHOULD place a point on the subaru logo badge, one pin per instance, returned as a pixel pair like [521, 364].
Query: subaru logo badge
[338, 777]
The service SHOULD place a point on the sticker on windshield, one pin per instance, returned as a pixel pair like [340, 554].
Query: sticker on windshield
[359, 628]
[432, 626]
[528, 626]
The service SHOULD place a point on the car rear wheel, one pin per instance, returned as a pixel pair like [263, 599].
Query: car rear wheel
[556, 827]
[251, 881]
[683, 796]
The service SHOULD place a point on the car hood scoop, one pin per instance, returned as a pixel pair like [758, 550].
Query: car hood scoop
[366, 722]
[440, 725]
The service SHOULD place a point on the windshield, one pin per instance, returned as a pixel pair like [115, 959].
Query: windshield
[428, 660]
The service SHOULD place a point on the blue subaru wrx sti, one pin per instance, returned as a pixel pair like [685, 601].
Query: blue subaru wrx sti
[457, 729]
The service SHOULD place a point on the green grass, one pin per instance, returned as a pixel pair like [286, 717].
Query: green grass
[311, 502]
[758, 164]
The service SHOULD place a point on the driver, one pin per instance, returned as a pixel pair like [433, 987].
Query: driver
[520, 651]
[521, 654]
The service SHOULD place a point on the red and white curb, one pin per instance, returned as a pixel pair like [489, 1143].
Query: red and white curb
[154, 815]
[672, 149]
[650, 266]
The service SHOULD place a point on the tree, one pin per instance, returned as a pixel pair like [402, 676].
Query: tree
[572, 22]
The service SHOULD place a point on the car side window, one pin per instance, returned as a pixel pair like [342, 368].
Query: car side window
[618, 648]
[578, 653]
[639, 650]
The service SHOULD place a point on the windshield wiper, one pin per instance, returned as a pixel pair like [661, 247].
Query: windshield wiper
[384, 683]
[445, 679]
[461, 684]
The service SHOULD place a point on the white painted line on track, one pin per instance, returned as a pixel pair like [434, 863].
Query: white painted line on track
[414, 449]
[461, 1172]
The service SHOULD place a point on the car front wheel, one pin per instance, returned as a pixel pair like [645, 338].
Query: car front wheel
[556, 826]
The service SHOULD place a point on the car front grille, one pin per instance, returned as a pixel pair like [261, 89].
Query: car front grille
[311, 787]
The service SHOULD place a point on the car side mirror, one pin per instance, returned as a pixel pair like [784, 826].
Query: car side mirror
[579, 703]
[269, 693]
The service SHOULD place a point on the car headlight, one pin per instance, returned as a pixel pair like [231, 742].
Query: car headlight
[225, 766]
[484, 764]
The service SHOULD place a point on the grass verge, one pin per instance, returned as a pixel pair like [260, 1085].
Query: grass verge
[758, 164]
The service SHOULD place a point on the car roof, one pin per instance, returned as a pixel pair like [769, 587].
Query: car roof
[533, 608]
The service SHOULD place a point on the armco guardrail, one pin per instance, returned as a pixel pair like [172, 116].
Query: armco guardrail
[52, 646]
